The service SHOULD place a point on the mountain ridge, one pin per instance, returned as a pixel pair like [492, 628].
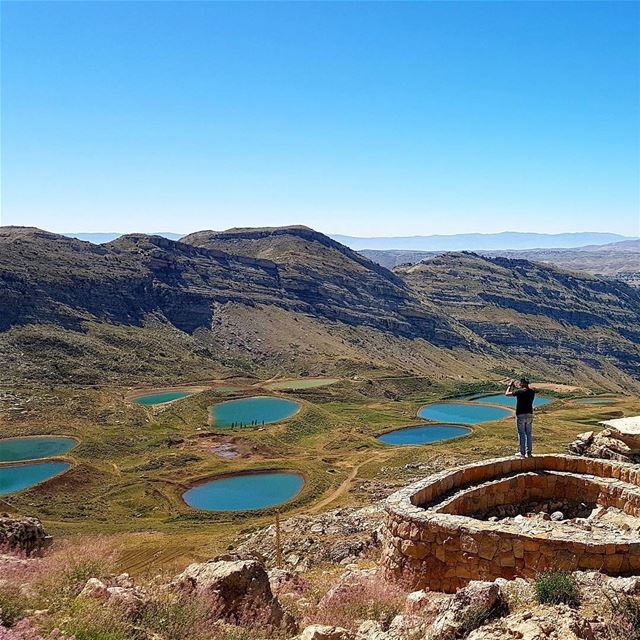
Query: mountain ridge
[291, 299]
[438, 242]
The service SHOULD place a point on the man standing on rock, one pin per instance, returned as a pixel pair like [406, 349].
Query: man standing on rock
[524, 395]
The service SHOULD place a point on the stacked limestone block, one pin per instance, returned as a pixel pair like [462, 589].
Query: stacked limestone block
[432, 541]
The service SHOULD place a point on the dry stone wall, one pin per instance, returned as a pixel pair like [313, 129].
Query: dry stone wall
[435, 536]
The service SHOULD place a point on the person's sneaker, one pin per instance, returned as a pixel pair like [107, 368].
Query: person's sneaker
[529, 455]
[519, 455]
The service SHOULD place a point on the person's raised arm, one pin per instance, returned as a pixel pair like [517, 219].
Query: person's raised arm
[509, 391]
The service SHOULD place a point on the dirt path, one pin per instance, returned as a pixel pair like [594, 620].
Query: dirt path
[346, 484]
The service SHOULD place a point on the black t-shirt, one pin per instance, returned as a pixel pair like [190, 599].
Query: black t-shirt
[524, 400]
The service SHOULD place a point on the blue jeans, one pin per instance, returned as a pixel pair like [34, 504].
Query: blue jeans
[524, 422]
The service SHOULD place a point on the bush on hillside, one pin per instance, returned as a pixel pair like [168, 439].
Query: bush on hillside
[557, 587]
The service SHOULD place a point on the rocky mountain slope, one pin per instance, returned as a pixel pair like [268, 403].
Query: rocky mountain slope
[291, 299]
[535, 310]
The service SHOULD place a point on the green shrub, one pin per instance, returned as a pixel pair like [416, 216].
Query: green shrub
[12, 606]
[557, 587]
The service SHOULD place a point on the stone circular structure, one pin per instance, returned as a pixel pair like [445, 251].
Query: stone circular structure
[481, 521]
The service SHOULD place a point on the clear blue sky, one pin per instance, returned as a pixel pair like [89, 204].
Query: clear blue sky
[357, 118]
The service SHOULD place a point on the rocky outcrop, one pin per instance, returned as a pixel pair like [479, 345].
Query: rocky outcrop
[548, 623]
[467, 610]
[341, 536]
[324, 632]
[239, 589]
[609, 444]
[119, 590]
[23, 534]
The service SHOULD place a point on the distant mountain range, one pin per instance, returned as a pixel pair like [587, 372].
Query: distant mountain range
[458, 242]
[482, 241]
[620, 260]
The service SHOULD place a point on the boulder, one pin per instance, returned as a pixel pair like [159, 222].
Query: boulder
[94, 588]
[516, 592]
[23, 534]
[119, 589]
[467, 610]
[351, 583]
[324, 632]
[425, 604]
[371, 630]
[238, 588]
[609, 444]
[285, 582]
[546, 623]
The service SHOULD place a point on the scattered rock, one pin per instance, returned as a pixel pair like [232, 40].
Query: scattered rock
[516, 592]
[609, 444]
[350, 583]
[557, 516]
[23, 534]
[467, 610]
[426, 604]
[238, 586]
[547, 623]
[94, 588]
[324, 632]
[286, 582]
[118, 589]
[371, 630]
[341, 536]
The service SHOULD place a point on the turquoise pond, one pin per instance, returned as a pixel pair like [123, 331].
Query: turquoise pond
[161, 398]
[245, 492]
[253, 411]
[424, 434]
[510, 401]
[22, 476]
[15, 449]
[459, 412]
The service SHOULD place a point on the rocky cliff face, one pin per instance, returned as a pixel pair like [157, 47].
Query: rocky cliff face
[533, 309]
[335, 282]
[52, 279]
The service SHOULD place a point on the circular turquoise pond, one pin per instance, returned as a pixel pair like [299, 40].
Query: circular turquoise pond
[15, 449]
[459, 412]
[22, 476]
[510, 401]
[424, 434]
[245, 492]
[247, 412]
[162, 398]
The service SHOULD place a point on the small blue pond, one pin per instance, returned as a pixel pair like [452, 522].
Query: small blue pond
[424, 434]
[22, 476]
[510, 401]
[15, 449]
[161, 398]
[245, 492]
[256, 411]
[459, 412]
